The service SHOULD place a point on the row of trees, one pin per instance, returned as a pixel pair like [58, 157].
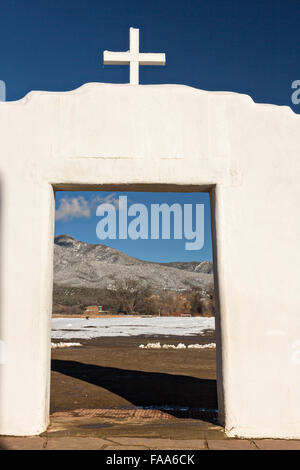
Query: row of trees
[130, 297]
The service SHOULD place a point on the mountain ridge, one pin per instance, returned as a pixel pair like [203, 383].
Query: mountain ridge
[81, 264]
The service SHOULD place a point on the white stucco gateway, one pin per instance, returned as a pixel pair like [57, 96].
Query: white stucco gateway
[163, 137]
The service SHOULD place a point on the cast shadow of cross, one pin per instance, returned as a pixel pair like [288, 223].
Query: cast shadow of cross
[144, 389]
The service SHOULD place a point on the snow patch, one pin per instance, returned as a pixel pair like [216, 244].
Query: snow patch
[179, 346]
[150, 346]
[64, 345]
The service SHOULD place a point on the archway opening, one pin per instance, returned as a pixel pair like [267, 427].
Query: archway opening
[135, 326]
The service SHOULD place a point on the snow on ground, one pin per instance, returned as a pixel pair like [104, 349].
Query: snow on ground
[179, 346]
[80, 328]
[64, 345]
[202, 346]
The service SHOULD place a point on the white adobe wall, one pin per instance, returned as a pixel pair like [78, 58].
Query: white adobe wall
[124, 134]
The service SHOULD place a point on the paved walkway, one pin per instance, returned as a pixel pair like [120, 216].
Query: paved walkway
[123, 443]
[135, 430]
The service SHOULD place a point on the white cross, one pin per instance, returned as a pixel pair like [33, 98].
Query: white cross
[133, 57]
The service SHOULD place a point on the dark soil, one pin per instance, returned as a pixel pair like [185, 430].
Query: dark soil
[115, 373]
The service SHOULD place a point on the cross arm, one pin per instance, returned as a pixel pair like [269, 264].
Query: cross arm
[152, 58]
[116, 58]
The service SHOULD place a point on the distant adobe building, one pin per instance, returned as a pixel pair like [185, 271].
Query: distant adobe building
[94, 310]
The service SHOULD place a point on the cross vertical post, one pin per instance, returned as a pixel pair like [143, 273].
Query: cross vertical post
[134, 52]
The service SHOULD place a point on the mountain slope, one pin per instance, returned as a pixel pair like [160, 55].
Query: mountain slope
[80, 264]
[192, 266]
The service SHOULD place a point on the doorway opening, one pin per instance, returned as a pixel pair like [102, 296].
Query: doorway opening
[134, 327]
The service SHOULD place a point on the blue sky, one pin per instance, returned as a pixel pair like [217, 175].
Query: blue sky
[245, 46]
[76, 216]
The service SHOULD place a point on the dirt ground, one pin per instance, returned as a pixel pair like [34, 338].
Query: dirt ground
[116, 373]
[97, 389]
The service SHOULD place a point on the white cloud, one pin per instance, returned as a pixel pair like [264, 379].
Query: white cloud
[70, 208]
[78, 207]
[111, 198]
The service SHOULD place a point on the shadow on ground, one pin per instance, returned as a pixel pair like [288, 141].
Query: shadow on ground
[145, 388]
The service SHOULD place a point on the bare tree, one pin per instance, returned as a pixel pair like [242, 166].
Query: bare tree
[132, 297]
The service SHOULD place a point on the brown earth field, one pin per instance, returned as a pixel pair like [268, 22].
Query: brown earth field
[116, 373]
